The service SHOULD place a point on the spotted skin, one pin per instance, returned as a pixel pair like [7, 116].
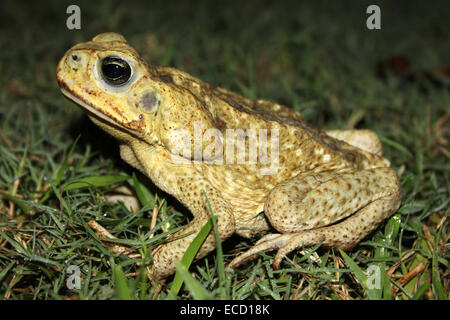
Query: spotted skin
[357, 201]
[329, 187]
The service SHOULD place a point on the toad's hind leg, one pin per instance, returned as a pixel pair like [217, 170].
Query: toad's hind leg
[366, 140]
[305, 210]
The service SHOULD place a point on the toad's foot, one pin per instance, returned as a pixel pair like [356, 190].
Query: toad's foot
[269, 242]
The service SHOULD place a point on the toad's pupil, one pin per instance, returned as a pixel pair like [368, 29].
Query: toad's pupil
[113, 70]
[116, 71]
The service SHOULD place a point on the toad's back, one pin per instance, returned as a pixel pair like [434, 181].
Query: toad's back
[289, 144]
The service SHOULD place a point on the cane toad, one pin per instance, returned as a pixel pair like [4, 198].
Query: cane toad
[199, 142]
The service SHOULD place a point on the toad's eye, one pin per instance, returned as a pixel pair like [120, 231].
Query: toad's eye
[115, 71]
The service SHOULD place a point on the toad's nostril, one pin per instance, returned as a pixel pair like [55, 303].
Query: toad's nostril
[74, 57]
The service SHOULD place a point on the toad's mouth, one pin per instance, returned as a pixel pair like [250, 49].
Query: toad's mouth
[94, 112]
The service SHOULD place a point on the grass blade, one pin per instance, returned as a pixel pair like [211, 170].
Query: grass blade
[397, 146]
[6, 270]
[421, 291]
[146, 198]
[120, 284]
[93, 181]
[16, 245]
[372, 294]
[60, 171]
[194, 287]
[435, 275]
[189, 255]
[219, 252]
[18, 202]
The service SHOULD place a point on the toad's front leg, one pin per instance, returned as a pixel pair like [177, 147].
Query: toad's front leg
[192, 192]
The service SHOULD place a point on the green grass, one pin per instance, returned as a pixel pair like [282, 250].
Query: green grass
[317, 58]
